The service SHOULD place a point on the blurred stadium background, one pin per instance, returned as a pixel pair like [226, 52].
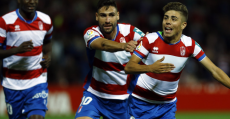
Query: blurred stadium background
[199, 95]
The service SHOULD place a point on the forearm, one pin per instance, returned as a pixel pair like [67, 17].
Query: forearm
[221, 77]
[47, 48]
[134, 68]
[7, 53]
[112, 46]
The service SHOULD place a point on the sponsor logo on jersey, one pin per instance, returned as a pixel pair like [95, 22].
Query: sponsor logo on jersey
[155, 49]
[90, 34]
[43, 94]
[139, 46]
[40, 24]
[182, 51]
[17, 28]
[139, 32]
[122, 40]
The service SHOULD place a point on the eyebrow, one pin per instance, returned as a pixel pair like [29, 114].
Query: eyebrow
[171, 16]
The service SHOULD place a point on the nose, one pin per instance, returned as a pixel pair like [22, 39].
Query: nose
[107, 19]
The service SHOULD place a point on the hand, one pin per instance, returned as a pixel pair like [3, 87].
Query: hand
[158, 67]
[25, 47]
[130, 46]
[45, 63]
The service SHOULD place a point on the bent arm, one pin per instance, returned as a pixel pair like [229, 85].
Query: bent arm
[7, 53]
[132, 67]
[107, 45]
[217, 73]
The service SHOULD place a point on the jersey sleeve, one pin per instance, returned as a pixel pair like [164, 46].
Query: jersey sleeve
[49, 32]
[3, 30]
[198, 53]
[136, 33]
[89, 36]
[142, 49]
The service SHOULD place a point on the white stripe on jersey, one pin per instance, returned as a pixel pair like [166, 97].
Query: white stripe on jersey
[22, 63]
[186, 40]
[2, 33]
[160, 87]
[10, 18]
[153, 101]
[108, 96]
[109, 77]
[25, 84]
[17, 38]
[44, 17]
[178, 62]
[124, 29]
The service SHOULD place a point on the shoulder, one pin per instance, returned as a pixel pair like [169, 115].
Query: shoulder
[44, 17]
[94, 28]
[188, 41]
[10, 17]
[152, 37]
[127, 29]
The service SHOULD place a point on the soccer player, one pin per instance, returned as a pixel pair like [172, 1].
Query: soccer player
[25, 39]
[108, 48]
[154, 95]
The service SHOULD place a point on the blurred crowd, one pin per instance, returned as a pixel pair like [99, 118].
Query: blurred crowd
[208, 24]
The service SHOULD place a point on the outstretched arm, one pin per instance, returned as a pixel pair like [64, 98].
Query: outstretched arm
[133, 67]
[112, 46]
[217, 73]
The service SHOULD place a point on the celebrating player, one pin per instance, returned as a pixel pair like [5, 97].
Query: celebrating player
[154, 95]
[108, 47]
[25, 39]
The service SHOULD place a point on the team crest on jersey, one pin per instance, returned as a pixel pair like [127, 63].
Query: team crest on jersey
[90, 34]
[40, 24]
[182, 51]
[17, 28]
[139, 46]
[155, 49]
[122, 40]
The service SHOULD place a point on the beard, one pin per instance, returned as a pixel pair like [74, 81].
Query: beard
[107, 31]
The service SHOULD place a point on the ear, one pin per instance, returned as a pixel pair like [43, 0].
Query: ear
[183, 25]
[118, 16]
[96, 14]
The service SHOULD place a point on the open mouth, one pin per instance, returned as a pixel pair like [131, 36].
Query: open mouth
[168, 29]
[31, 8]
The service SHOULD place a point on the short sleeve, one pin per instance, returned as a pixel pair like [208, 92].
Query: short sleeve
[49, 32]
[89, 36]
[198, 53]
[142, 49]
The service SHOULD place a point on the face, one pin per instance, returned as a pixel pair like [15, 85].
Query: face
[107, 18]
[28, 6]
[173, 24]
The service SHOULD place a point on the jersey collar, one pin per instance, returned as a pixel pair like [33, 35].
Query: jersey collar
[27, 21]
[160, 35]
[117, 33]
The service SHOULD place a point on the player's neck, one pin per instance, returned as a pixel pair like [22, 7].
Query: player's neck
[26, 15]
[112, 35]
[174, 39]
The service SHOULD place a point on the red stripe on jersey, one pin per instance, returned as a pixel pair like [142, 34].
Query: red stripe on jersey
[35, 51]
[179, 49]
[108, 88]
[20, 75]
[152, 95]
[140, 53]
[111, 66]
[2, 39]
[199, 54]
[165, 76]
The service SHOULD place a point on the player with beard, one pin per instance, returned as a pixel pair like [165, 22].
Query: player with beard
[109, 46]
[25, 40]
[154, 91]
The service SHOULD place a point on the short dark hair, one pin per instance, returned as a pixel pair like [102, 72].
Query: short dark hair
[177, 6]
[107, 3]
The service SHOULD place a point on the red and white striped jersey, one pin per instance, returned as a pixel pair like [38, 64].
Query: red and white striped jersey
[23, 70]
[107, 78]
[161, 88]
